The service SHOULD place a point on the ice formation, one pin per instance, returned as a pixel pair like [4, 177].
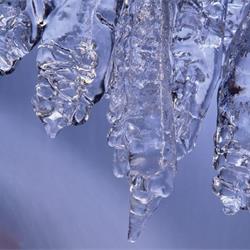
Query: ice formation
[232, 139]
[21, 25]
[235, 14]
[162, 61]
[141, 108]
[72, 62]
[197, 52]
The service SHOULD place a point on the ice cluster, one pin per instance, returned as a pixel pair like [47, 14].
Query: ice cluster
[158, 62]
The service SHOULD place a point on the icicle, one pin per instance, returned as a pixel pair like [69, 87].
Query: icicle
[141, 110]
[235, 13]
[21, 25]
[72, 62]
[197, 63]
[232, 138]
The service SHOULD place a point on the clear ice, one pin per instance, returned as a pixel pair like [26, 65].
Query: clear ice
[161, 61]
[141, 111]
[232, 138]
[21, 25]
[234, 17]
[72, 61]
[197, 54]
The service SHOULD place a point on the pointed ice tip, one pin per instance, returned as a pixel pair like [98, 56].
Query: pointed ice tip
[51, 131]
[54, 123]
[51, 135]
[136, 225]
[133, 233]
[131, 239]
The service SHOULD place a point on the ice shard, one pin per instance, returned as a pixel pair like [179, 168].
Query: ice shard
[21, 25]
[72, 62]
[232, 138]
[197, 62]
[141, 111]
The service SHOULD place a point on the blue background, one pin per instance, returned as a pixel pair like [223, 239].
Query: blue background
[62, 194]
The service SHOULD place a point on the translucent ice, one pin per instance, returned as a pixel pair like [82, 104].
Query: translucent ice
[197, 58]
[141, 111]
[72, 62]
[167, 59]
[232, 139]
[21, 25]
[234, 16]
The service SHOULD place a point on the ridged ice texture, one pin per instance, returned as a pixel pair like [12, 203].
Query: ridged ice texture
[196, 55]
[141, 110]
[72, 62]
[235, 14]
[232, 138]
[21, 25]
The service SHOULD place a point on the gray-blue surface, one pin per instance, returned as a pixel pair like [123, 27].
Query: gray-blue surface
[62, 194]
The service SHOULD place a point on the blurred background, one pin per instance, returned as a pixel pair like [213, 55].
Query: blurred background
[62, 194]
